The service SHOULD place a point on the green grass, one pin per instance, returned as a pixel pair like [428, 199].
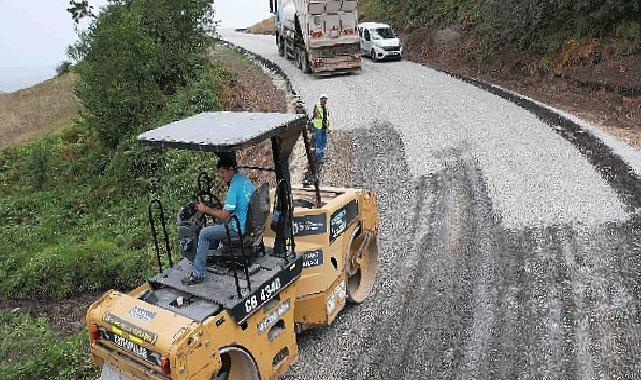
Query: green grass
[74, 217]
[30, 351]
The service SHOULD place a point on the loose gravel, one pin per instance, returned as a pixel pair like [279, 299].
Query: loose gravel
[506, 251]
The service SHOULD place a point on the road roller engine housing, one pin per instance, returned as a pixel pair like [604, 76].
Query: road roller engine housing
[304, 253]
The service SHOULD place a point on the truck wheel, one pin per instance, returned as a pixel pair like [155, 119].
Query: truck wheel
[373, 55]
[281, 48]
[237, 365]
[362, 265]
[305, 62]
[290, 53]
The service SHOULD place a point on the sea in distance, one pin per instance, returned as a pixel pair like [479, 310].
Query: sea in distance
[15, 78]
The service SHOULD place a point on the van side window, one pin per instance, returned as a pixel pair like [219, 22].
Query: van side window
[367, 35]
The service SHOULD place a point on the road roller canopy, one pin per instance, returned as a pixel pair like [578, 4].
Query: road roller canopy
[220, 132]
[224, 133]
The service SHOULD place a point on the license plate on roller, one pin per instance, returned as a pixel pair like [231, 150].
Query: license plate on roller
[133, 348]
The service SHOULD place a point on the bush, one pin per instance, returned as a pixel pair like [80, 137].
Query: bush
[77, 268]
[39, 163]
[63, 68]
[524, 24]
[30, 351]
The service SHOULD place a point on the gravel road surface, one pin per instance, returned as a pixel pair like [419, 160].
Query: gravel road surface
[510, 236]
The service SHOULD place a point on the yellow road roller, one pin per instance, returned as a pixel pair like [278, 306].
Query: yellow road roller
[304, 253]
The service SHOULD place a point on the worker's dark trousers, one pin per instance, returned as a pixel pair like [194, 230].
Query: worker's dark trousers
[320, 139]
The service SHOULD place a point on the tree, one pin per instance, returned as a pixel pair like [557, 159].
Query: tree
[79, 10]
[134, 57]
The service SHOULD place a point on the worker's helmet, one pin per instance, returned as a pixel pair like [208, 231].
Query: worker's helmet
[324, 97]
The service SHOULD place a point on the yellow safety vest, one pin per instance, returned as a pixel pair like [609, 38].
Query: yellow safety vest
[318, 117]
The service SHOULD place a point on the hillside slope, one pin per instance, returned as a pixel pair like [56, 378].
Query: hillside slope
[46, 106]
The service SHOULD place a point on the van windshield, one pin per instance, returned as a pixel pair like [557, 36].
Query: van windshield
[385, 32]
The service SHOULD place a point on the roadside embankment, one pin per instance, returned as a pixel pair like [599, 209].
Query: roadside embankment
[44, 107]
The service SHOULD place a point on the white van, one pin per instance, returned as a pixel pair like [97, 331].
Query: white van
[378, 41]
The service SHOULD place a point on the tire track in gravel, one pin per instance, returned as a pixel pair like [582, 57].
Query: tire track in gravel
[473, 300]
[454, 262]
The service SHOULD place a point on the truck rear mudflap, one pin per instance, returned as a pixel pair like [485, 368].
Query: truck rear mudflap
[330, 66]
[335, 59]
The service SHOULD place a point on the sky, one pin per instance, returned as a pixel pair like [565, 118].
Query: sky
[35, 33]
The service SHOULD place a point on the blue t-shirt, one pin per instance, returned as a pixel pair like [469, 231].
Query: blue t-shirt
[237, 202]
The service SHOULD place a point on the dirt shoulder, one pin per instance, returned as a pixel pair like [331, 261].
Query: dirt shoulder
[65, 317]
[252, 90]
[588, 80]
[27, 113]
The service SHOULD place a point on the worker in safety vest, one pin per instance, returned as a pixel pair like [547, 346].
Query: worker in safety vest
[321, 129]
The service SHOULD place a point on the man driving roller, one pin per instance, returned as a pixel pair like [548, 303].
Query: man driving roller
[237, 203]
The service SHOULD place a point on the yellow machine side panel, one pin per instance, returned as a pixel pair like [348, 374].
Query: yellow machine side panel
[146, 324]
[320, 309]
[268, 337]
[319, 281]
[264, 335]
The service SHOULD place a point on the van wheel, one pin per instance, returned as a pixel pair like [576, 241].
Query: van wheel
[237, 364]
[373, 55]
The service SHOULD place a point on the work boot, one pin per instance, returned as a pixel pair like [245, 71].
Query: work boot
[192, 279]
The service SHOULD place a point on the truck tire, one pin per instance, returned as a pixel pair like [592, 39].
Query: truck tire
[373, 56]
[290, 53]
[307, 69]
[299, 59]
[281, 48]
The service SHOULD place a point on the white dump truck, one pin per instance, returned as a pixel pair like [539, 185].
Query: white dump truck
[319, 35]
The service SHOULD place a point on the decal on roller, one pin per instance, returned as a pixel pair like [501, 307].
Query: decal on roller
[341, 219]
[139, 332]
[312, 258]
